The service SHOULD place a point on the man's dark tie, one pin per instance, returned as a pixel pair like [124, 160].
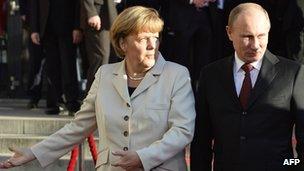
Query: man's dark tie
[247, 86]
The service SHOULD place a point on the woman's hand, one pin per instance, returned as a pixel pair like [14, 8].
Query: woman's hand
[20, 157]
[129, 160]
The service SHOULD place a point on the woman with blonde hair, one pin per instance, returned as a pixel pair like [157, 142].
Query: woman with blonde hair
[143, 107]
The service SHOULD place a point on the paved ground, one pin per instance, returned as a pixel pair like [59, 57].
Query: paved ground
[17, 107]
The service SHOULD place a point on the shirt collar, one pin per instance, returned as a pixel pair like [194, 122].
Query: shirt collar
[238, 63]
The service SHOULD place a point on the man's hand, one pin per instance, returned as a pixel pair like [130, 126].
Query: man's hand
[23, 17]
[21, 156]
[201, 3]
[129, 160]
[35, 38]
[95, 22]
[77, 36]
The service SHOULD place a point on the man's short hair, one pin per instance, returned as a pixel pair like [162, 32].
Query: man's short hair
[241, 8]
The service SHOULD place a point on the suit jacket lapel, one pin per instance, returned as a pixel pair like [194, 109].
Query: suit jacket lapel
[228, 80]
[265, 77]
[151, 76]
[120, 81]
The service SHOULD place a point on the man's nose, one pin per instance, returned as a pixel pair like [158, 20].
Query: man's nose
[255, 44]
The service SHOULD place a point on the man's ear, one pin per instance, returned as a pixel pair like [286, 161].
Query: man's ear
[228, 31]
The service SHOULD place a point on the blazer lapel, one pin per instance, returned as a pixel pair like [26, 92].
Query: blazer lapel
[265, 77]
[145, 83]
[228, 80]
[151, 76]
[120, 81]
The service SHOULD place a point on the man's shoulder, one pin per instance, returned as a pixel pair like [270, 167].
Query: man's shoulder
[219, 64]
[288, 62]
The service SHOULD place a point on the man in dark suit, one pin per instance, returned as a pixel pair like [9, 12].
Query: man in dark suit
[248, 104]
[130, 3]
[56, 24]
[36, 60]
[96, 22]
[188, 37]
[286, 33]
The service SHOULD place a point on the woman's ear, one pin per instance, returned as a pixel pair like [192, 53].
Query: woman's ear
[122, 44]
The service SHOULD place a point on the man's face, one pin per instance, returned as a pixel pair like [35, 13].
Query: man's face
[249, 35]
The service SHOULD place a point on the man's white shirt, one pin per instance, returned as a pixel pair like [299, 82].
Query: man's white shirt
[239, 74]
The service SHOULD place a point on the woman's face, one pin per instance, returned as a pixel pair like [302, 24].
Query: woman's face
[141, 49]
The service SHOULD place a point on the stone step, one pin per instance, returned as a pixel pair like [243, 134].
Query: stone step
[27, 140]
[17, 103]
[20, 127]
[38, 125]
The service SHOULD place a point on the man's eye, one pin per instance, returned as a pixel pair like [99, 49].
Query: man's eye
[246, 38]
[261, 36]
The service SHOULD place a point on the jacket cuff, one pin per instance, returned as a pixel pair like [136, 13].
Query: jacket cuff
[92, 14]
[39, 154]
[146, 161]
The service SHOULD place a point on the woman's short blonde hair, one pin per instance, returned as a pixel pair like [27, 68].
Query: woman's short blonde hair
[134, 20]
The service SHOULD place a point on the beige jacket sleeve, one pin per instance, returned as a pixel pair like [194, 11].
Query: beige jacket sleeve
[61, 142]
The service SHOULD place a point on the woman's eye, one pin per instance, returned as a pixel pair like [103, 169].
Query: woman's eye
[154, 39]
[142, 40]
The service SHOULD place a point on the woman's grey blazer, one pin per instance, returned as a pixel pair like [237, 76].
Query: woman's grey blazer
[157, 121]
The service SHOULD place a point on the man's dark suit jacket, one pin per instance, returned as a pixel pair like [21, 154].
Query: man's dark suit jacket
[180, 13]
[146, 3]
[256, 139]
[63, 16]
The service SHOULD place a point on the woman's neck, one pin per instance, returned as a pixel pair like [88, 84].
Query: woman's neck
[135, 71]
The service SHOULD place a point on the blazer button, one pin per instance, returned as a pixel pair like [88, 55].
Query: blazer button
[128, 105]
[126, 118]
[125, 149]
[244, 113]
[126, 133]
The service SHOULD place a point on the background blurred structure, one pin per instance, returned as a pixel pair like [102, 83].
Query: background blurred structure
[11, 48]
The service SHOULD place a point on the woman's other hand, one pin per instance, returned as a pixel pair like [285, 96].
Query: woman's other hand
[129, 160]
[20, 157]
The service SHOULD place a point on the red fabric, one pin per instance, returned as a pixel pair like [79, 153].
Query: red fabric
[73, 160]
[294, 141]
[93, 148]
[75, 151]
